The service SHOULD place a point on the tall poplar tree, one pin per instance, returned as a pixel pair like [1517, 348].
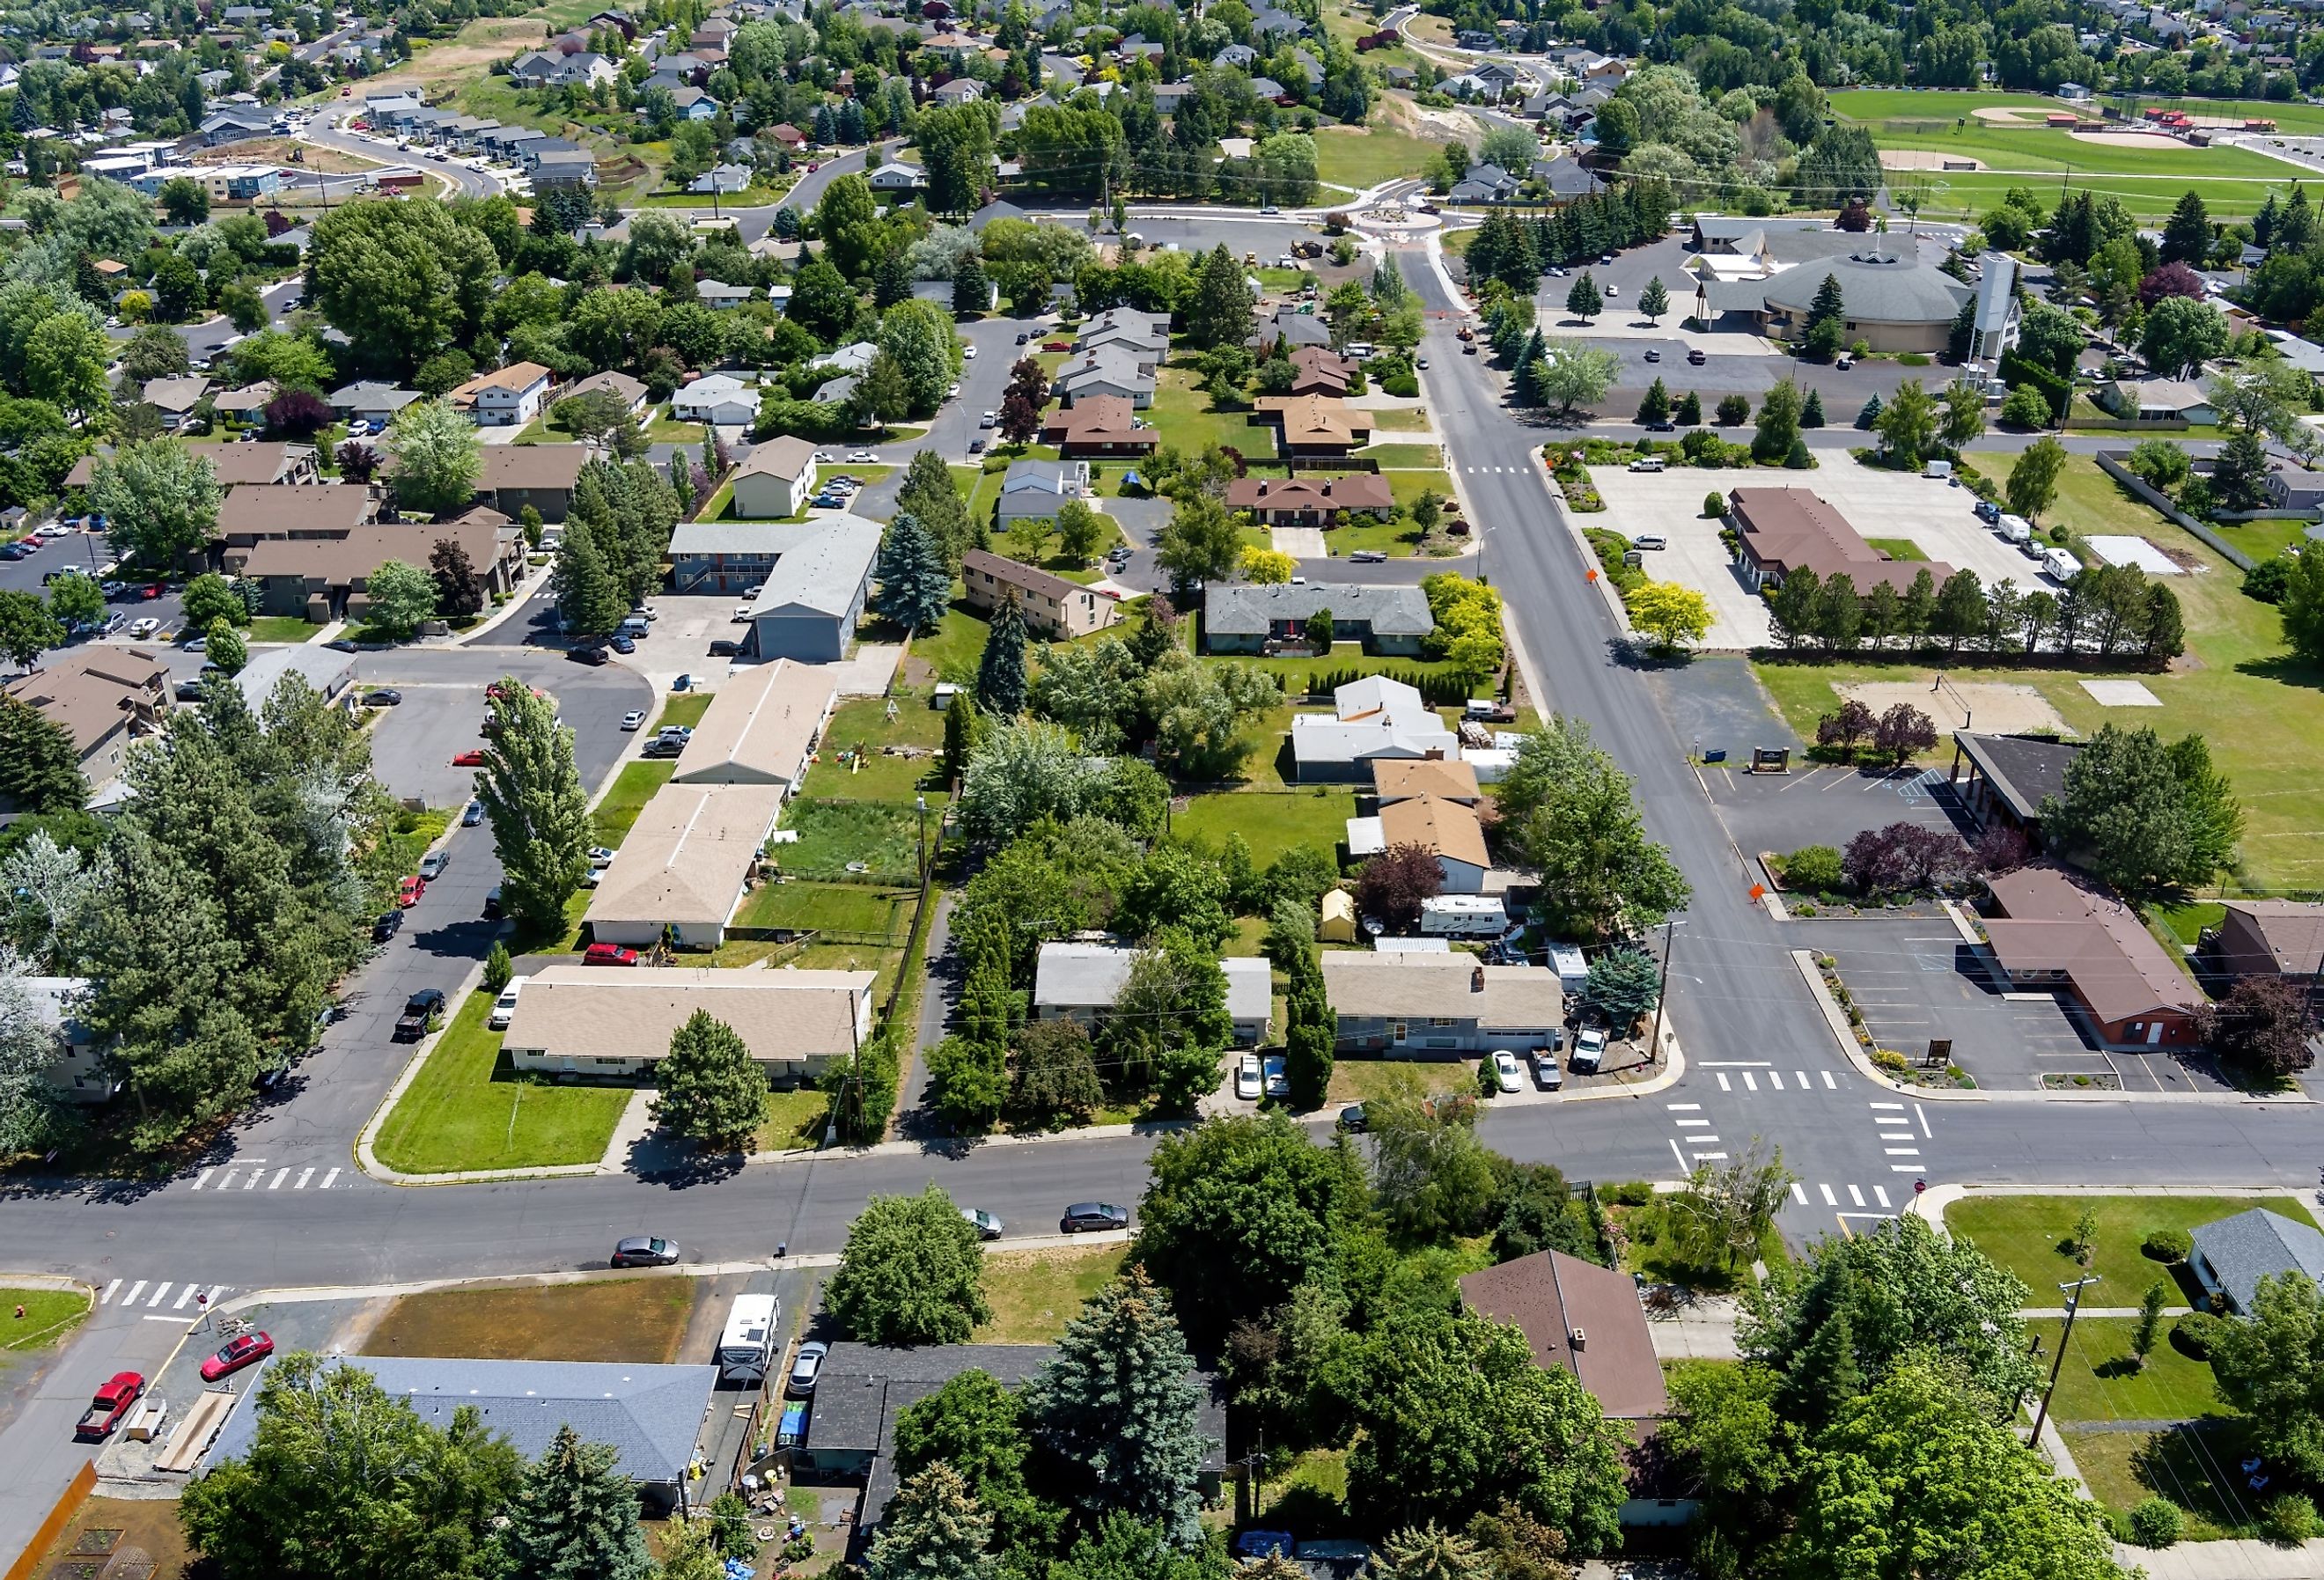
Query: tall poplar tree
[539, 812]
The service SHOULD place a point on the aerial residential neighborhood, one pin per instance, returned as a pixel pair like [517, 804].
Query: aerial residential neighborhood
[952, 789]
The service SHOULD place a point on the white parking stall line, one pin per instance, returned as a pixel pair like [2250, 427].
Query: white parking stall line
[1829, 1200]
[1799, 1193]
[1856, 1196]
[1725, 1084]
[203, 1178]
[106, 1298]
[160, 1291]
[1881, 1105]
[136, 1289]
[334, 1174]
[1903, 1168]
[165, 1317]
[304, 1175]
[1684, 1107]
[1880, 1194]
[1688, 1122]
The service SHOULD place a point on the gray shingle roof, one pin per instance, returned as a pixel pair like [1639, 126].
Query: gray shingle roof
[650, 1414]
[1879, 291]
[1247, 610]
[2257, 1244]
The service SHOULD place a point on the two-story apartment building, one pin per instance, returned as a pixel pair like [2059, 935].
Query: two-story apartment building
[1053, 606]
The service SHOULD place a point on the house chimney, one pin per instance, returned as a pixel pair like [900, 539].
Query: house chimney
[1577, 1339]
[1477, 979]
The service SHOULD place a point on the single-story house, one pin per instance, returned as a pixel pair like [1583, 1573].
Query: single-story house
[77, 1074]
[2049, 930]
[1414, 1005]
[588, 1021]
[718, 294]
[1053, 606]
[2232, 1255]
[244, 407]
[1312, 501]
[368, 401]
[775, 480]
[1448, 830]
[718, 398]
[1293, 327]
[1779, 530]
[330, 675]
[1370, 718]
[761, 727]
[2157, 401]
[2009, 777]
[1579, 1318]
[1394, 782]
[630, 392]
[1036, 490]
[2295, 488]
[175, 397]
[1246, 619]
[864, 1388]
[1313, 426]
[1318, 370]
[1108, 371]
[898, 176]
[650, 1414]
[103, 694]
[684, 866]
[541, 476]
[506, 397]
[1081, 982]
[1100, 425]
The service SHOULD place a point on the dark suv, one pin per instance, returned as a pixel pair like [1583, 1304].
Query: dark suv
[1093, 1215]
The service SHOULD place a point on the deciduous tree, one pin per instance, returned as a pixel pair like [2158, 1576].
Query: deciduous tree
[1567, 809]
[1673, 614]
[159, 499]
[912, 1273]
[539, 811]
[2261, 1024]
[438, 455]
[402, 596]
[27, 628]
[2033, 477]
[2147, 817]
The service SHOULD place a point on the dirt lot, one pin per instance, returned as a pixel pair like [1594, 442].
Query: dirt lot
[641, 1319]
[1994, 708]
[118, 1539]
[1937, 520]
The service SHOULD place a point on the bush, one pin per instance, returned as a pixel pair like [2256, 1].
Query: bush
[1814, 869]
[1403, 384]
[1714, 505]
[1734, 411]
[1628, 1193]
[2267, 580]
[2192, 1335]
[2168, 1245]
[2156, 1523]
[2291, 1520]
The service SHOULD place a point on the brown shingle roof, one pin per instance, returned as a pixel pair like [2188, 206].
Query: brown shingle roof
[2291, 931]
[532, 465]
[277, 510]
[1363, 983]
[90, 690]
[1311, 420]
[1446, 828]
[2049, 923]
[1786, 529]
[1348, 491]
[578, 1011]
[1553, 1299]
[1398, 780]
[1016, 573]
[343, 561]
[1095, 419]
[238, 463]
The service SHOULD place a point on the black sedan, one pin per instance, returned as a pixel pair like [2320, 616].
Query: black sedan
[589, 655]
[1092, 1216]
[387, 927]
[385, 696]
[645, 1250]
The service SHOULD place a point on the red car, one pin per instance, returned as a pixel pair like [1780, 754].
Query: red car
[246, 1351]
[111, 1403]
[407, 893]
[472, 758]
[153, 590]
[608, 955]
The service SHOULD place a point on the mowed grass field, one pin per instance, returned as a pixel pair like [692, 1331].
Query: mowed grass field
[2148, 178]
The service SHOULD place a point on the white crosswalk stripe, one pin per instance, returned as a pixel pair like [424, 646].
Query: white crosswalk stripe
[248, 1174]
[190, 1297]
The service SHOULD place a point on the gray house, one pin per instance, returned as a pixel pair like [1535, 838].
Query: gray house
[1081, 982]
[811, 596]
[1385, 619]
[1442, 1006]
[2233, 1255]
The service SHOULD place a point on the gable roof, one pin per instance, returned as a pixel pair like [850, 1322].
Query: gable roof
[760, 726]
[1580, 1318]
[1344, 491]
[280, 509]
[1315, 419]
[2025, 771]
[2291, 931]
[255, 464]
[2256, 1244]
[1242, 610]
[532, 465]
[585, 1012]
[786, 457]
[1443, 828]
[1016, 573]
[1451, 781]
[1373, 984]
[91, 691]
[1786, 529]
[824, 568]
[2049, 923]
[685, 858]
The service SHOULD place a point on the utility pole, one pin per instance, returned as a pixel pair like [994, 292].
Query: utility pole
[1662, 988]
[2058, 1360]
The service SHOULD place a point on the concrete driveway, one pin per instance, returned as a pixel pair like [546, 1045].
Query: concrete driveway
[1935, 518]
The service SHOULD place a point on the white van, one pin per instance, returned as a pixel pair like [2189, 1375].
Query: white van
[635, 626]
[504, 1006]
[1650, 540]
[747, 1348]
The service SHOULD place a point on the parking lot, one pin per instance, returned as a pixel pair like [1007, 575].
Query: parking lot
[1937, 519]
[1822, 804]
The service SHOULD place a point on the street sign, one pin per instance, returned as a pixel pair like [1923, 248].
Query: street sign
[1919, 1186]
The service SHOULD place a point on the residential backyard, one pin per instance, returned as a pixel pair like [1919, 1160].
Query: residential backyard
[1269, 821]
[468, 1108]
[1186, 417]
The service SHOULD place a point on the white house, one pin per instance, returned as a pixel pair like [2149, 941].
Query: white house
[507, 397]
[898, 178]
[775, 480]
[717, 293]
[1034, 490]
[720, 398]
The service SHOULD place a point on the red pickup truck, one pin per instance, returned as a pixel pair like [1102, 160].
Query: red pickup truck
[111, 1403]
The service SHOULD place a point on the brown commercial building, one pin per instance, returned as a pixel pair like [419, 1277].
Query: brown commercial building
[1310, 501]
[2049, 930]
[1098, 425]
[2270, 938]
[1784, 530]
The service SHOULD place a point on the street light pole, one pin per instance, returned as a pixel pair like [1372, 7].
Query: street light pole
[2058, 1360]
[922, 804]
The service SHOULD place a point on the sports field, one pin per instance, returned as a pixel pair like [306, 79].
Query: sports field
[2001, 132]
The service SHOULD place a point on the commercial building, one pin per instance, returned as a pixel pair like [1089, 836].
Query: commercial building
[1250, 618]
[1053, 606]
[761, 727]
[1890, 303]
[684, 866]
[2047, 930]
[1783, 530]
[1080, 981]
[593, 1021]
[2007, 778]
[2283, 938]
[1311, 502]
[1431, 1005]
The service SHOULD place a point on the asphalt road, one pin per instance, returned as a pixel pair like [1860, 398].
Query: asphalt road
[329, 133]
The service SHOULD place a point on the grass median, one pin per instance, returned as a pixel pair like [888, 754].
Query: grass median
[468, 1109]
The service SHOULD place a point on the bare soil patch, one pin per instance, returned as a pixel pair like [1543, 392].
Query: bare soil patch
[2127, 139]
[1996, 709]
[1926, 159]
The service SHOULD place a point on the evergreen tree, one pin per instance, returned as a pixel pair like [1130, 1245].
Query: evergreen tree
[1688, 412]
[930, 493]
[1653, 301]
[710, 1089]
[2187, 234]
[1311, 1030]
[40, 768]
[1656, 405]
[1001, 673]
[574, 1517]
[1812, 414]
[971, 287]
[1583, 301]
[1869, 414]
[458, 591]
[915, 586]
[538, 810]
[934, 1530]
[1827, 320]
[960, 734]
[891, 281]
[1116, 1408]
[1220, 312]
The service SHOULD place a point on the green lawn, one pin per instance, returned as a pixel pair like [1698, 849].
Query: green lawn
[848, 908]
[2254, 704]
[862, 726]
[1361, 1080]
[281, 628]
[467, 1110]
[1426, 456]
[795, 1122]
[638, 784]
[2027, 1234]
[2186, 922]
[1270, 824]
[2101, 1382]
[1185, 417]
[2196, 1469]
[1050, 556]
[954, 647]
[687, 708]
[837, 838]
[1403, 419]
[50, 1316]
[1901, 549]
[1365, 156]
[1034, 1293]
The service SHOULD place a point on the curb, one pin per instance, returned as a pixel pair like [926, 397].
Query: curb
[1931, 1203]
[1600, 581]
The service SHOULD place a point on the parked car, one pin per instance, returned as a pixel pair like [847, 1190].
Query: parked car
[599, 856]
[247, 1350]
[110, 1404]
[142, 629]
[987, 1227]
[975, 447]
[432, 864]
[1276, 1075]
[1247, 1077]
[862, 458]
[1652, 354]
[1546, 1070]
[387, 927]
[385, 696]
[1421, 362]
[473, 814]
[633, 720]
[1506, 1075]
[591, 655]
[1589, 1051]
[807, 1368]
[1844, 363]
[195, 644]
[1695, 357]
[725, 648]
[663, 746]
[621, 643]
[1368, 557]
[1664, 426]
[1648, 464]
[187, 690]
[608, 955]
[418, 1010]
[408, 891]
[1986, 511]
[493, 903]
[645, 1250]
[473, 757]
[1351, 1119]
[1085, 1215]
[741, 616]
